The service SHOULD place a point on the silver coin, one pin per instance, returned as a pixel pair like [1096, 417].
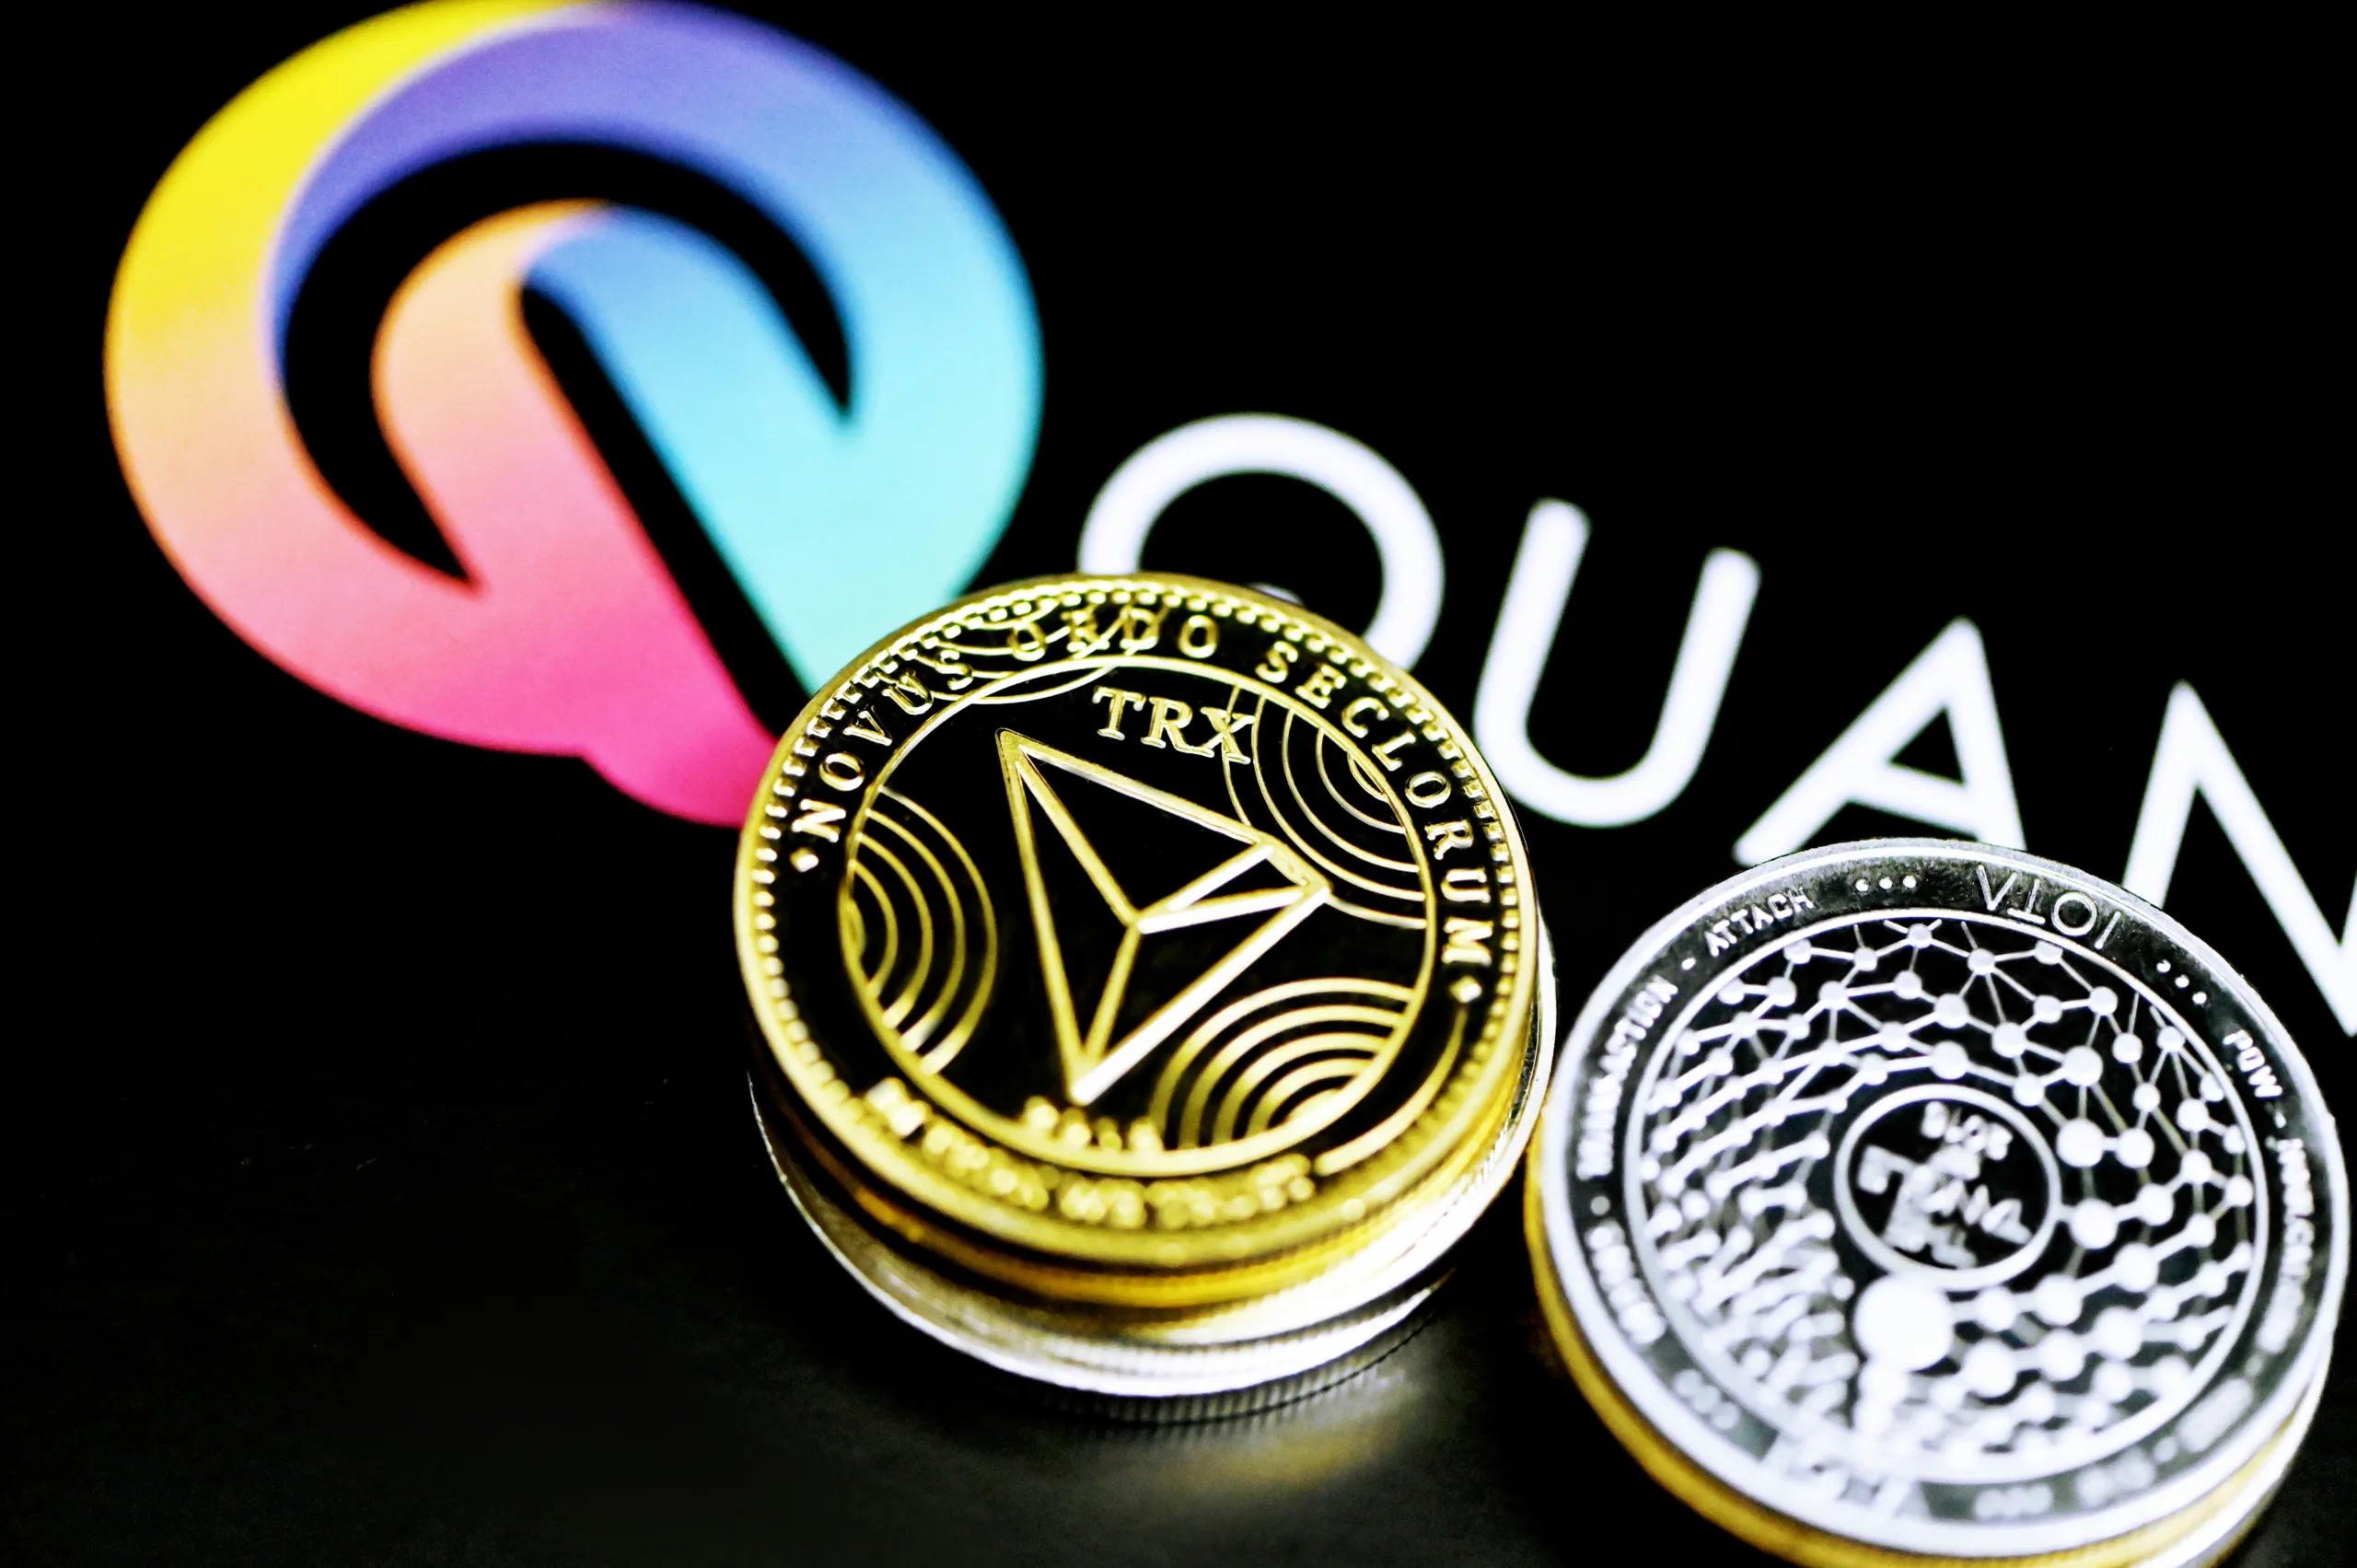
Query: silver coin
[2211, 1540]
[1191, 1364]
[1944, 1198]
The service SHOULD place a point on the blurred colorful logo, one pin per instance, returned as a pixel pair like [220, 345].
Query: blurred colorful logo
[567, 633]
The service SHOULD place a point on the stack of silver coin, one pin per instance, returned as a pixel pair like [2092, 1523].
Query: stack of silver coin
[1916, 1199]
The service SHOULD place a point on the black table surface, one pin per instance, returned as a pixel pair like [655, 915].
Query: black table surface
[381, 1186]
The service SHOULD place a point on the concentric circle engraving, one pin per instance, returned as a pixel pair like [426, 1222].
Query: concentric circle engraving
[1228, 961]
[1947, 1180]
[1140, 941]
[1901, 1187]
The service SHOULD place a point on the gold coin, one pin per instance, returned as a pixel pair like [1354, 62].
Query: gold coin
[1139, 941]
[1183, 1363]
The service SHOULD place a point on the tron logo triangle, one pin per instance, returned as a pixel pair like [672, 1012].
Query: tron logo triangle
[1094, 1061]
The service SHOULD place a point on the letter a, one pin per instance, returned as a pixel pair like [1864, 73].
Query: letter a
[2192, 756]
[1950, 677]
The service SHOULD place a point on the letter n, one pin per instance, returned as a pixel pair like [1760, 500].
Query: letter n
[2192, 758]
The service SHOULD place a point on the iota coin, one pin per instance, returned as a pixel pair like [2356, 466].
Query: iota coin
[1137, 946]
[1938, 1199]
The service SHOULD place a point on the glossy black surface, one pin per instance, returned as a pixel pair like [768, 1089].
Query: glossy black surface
[379, 1186]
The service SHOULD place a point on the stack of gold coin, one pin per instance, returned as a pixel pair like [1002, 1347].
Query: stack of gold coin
[1911, 1201]
[1150, 984]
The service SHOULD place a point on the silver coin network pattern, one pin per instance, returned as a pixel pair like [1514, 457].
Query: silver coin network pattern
[1953, 1224]
[2148, 1172]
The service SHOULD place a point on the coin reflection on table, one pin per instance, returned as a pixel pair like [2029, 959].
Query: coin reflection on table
[1909, 1199]
[1151, 986]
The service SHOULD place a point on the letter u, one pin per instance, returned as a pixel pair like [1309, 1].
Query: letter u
[1540, 587]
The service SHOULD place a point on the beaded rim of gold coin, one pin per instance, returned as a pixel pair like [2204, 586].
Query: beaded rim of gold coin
[1040, 1249]
[1398, 1223]
[1170, 1364]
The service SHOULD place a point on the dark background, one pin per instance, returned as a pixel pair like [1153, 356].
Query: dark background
[380, 1182]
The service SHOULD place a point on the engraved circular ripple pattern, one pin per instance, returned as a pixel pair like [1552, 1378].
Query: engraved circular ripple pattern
[919, 930]
[1138, 940]
[1941, 1198]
